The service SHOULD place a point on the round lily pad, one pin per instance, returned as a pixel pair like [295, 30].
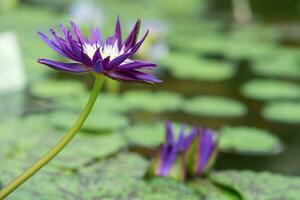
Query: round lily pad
[214, 106]
[58, 89]
[152, 101]
[259, 185]
[211, 191]
[98, 122]
[104, 103]
[86, 147]
[146, 135]
[149, 135]
[121, 178]
[287, 112]
[210, 43]
[279, 64]
[249, 140]
[271, 89]
[190, 67]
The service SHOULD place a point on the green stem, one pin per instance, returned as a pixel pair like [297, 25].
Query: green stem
[59, 146]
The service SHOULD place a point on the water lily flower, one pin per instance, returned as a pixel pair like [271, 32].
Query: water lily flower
[111, 57]
[202, 153]
[169, 161]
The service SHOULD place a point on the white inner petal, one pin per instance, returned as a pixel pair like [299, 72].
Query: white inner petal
[105, 50]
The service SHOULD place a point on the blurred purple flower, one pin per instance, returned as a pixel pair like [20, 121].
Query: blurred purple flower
[112, 57]
[201, 154]
[169, 161]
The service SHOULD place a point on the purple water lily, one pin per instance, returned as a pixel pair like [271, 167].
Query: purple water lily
[202, 152]
[169, 161]
[112, 57]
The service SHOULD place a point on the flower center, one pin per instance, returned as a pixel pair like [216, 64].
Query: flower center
[106, 50]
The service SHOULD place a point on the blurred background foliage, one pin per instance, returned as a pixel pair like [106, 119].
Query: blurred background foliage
[231, 65]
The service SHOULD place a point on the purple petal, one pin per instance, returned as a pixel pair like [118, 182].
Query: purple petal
[64, 45]
[136, 64]
[67, 67]
[132, 38]
[77, 32]
[96, 37]
[118, 60]
[97, 56]
[144, 77]
[52, 44]
[136, 47]
[170, 133]
[118, 33]
[99, 67]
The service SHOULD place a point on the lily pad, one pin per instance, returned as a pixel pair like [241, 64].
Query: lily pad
[249, 140]
[146, 135]
[212, 192]
[208, 42]
[189, 67]
[104, 103]
[116, 178]
[97, 122]
[214, 106]
[286, 112]
[149, 135]
[271, 89]
[87, 147]
[283, 63]
[83, 148]
[259, 185]
[152, 101]
[58, 89]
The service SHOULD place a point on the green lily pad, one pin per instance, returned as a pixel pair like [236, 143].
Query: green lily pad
[97, 122]
[259, 186]
[211, 191]
[120, 177]
[189, 67]
[282, 63]
[208, 42]
[146, 135]
[286, 112]
[58, 89]
[104, 103]
[149, 135]
[241, 48]
[214, 106]
[87, 147]
[83, 148]
[152, 101]
[249, 140]
[270, 89]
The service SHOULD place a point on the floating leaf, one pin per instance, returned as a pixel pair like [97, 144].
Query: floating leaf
[214, 106]
[149, 135]
[281, 63]
[97, 122]
[249, 140]
[186, 66]
[86, 147]
[58, 89]
[211, 191]
[260, 186]
[210, 43]
[116, 178]
[152, 101]
[104, 103]
[287, 112]
[271, 89]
